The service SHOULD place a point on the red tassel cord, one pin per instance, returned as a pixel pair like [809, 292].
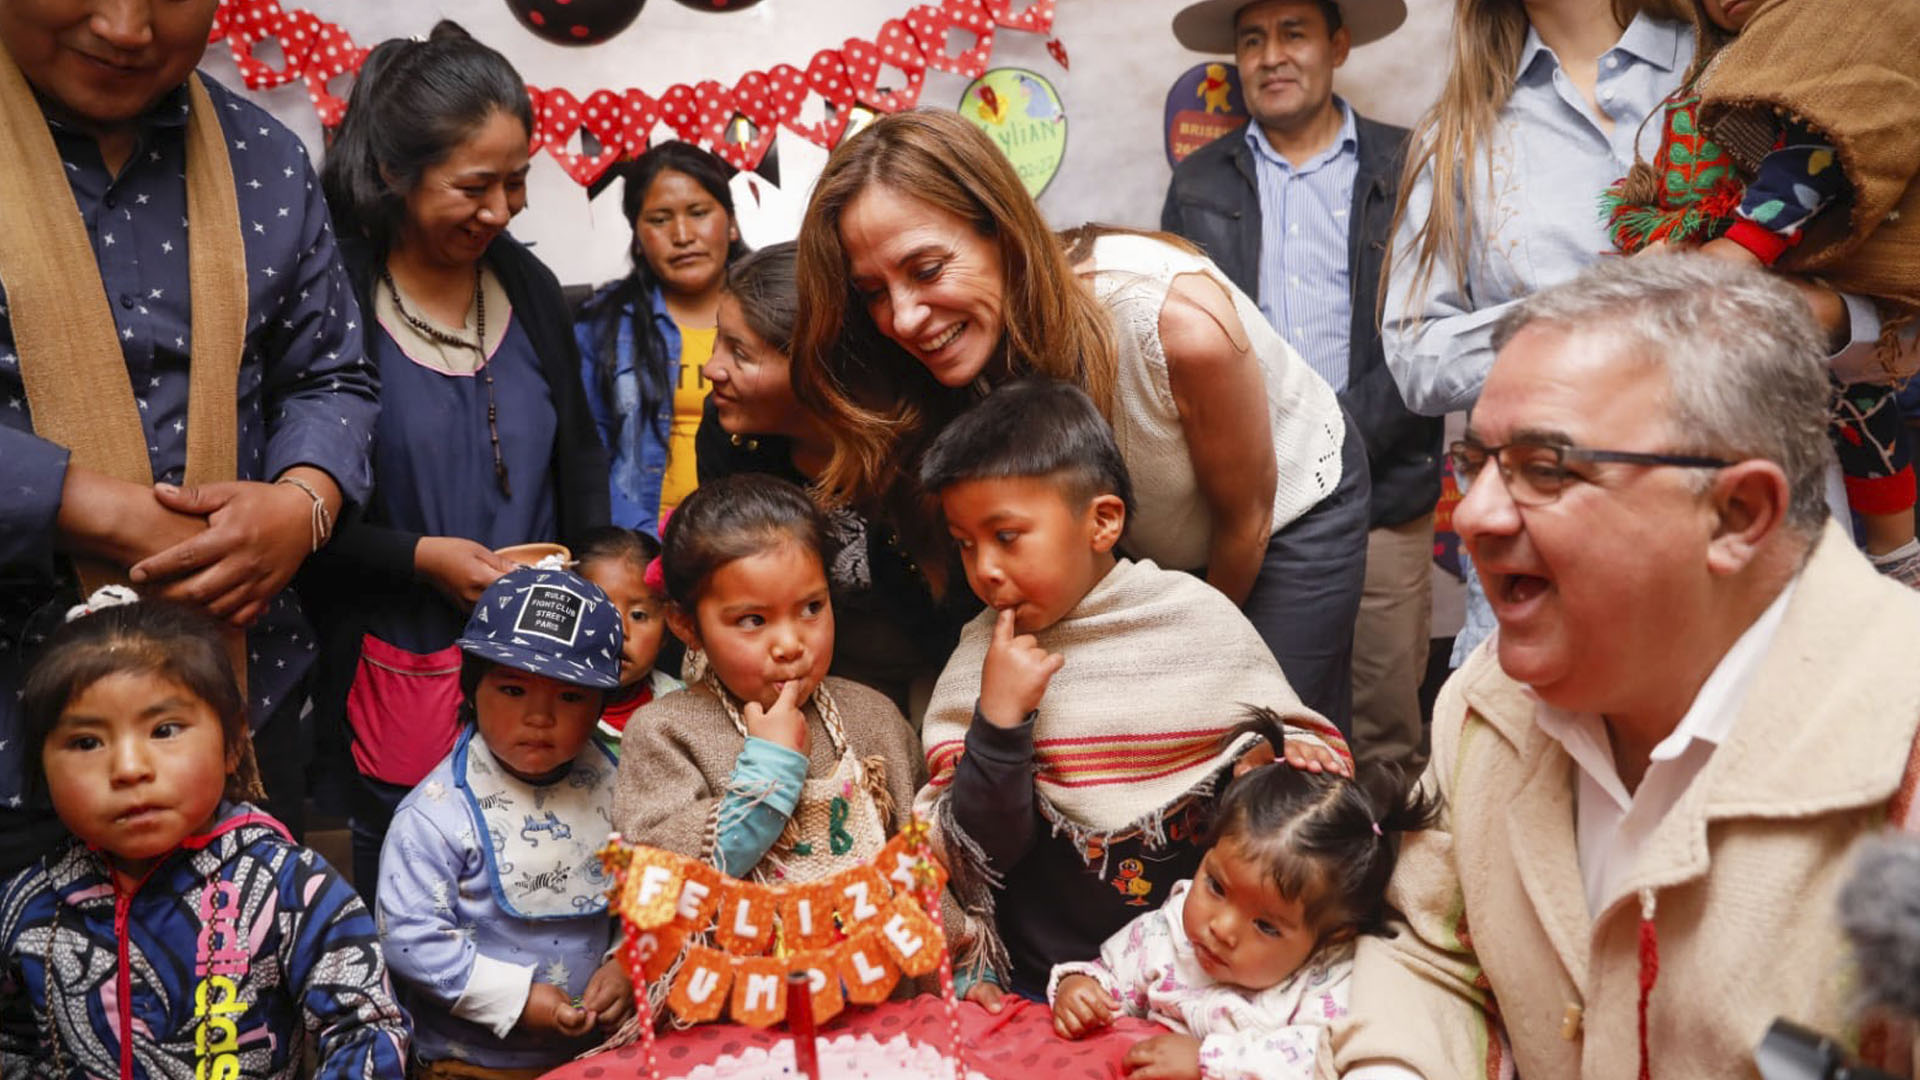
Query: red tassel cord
[1649, 973]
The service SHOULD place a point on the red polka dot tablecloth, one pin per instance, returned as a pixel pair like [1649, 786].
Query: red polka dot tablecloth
[1017, 1044]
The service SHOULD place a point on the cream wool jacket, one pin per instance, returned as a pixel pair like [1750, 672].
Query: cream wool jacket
[1744, 870]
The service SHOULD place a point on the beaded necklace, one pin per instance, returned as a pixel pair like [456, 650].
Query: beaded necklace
[434, 333]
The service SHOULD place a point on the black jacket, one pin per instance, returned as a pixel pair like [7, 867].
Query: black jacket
[1214, 201]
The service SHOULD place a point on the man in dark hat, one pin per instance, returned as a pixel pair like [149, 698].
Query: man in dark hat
[1296, 208]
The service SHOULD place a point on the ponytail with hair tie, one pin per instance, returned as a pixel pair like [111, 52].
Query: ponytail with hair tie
[1329, 841]
[106, 596]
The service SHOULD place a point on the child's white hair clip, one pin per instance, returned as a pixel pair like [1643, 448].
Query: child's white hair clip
[106, 596]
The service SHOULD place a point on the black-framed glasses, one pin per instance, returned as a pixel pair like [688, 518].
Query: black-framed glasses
[1536, 472]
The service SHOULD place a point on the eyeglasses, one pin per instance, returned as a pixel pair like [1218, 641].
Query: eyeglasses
[1535, 473]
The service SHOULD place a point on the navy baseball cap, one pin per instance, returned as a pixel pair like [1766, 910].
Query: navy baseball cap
[548, 622]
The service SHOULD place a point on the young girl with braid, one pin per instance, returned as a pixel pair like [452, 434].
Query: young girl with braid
[764, 766]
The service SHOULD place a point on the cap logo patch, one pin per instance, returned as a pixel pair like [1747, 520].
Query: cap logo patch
[551, 612]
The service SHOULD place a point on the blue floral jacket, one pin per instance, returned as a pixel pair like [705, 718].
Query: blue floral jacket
[222, 962]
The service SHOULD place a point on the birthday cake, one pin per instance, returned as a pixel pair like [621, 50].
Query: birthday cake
[843, 1057]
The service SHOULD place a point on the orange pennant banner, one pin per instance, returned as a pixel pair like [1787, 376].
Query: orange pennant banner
[855, 934]
[806, 917]
[759, 991]
[867, 968]
[911, 937]
[700, 990]
[823, 979]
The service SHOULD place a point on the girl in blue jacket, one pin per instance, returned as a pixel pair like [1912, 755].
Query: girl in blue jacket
[180, 931]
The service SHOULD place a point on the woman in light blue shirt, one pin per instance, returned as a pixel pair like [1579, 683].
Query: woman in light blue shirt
[1543, 107]
[1541, 110]
[1521, 211]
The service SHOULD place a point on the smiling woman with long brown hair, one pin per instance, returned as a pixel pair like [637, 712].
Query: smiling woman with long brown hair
[928, 276]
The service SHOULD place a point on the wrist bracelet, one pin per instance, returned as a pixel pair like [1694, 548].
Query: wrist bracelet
[322, 520]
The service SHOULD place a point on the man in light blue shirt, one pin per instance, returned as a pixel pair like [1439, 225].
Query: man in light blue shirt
[1317, 183]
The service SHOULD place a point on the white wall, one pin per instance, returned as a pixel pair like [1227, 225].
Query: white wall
[1123, 60]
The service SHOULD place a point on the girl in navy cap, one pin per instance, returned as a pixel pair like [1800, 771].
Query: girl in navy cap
[492, 900]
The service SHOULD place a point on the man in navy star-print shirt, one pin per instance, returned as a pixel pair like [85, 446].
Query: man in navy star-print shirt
[110, 78]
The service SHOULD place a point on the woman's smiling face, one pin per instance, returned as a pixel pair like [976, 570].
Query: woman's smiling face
[459, 205]
[930, 281]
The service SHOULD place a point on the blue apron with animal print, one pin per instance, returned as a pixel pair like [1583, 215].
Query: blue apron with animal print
[543, 841]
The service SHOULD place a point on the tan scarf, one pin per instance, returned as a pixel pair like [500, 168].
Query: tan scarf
[71, 364]
[70, 358]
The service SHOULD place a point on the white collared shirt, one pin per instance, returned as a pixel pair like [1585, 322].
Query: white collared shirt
[1613, 824]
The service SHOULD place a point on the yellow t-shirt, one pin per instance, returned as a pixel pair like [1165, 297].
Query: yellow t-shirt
[689, 398]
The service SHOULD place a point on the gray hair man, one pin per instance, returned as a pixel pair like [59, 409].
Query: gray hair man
[1700, 694]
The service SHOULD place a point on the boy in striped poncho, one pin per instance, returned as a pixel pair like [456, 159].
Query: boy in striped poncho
[1076, 739]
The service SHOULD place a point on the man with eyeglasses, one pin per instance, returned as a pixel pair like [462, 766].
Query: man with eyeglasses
[1699, 695]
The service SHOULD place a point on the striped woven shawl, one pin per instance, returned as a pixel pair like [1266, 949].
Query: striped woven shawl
[1159, 667]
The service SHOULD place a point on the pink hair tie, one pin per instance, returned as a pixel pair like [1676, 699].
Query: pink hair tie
[655, 575]
[1376, 829]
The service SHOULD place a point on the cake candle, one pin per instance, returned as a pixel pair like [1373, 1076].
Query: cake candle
[806, 1049]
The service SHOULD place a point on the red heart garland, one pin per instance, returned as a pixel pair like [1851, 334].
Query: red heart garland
[538, 138]
[713, 107]
[606, 117]
[756, 99]
[681, 112]
[241, 17]
[718, 107]
[561, 117]
[932, 25]
[330, 107]
[642, 113]
[222, 19]
[826, 75]
[333, 54]
[295, 33]
[318, 52]
[897, 46]
[1036, 17]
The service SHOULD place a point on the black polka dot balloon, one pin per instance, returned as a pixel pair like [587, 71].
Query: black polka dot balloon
[576, 22]
[719, 5]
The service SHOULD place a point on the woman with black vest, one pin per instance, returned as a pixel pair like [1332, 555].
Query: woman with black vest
[484, 439]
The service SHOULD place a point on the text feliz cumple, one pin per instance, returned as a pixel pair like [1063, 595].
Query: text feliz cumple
[852, 934]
